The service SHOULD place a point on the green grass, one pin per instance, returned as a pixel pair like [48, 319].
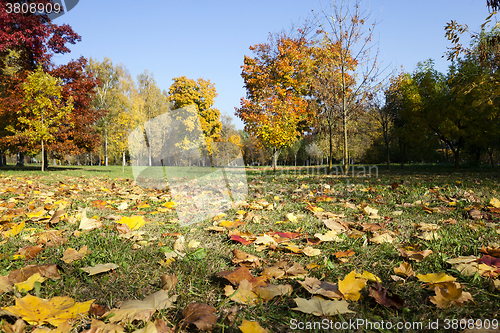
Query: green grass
[289, 191]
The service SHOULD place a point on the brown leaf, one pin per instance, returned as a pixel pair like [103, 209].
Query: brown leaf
[97, 310]
[450, 293]
[317, 287]
[404, 269]
[18, 327]
[20, 275]
[168, 282]
[30, 252]
[382, 297]
[475, 214]
[245, 259]
[242, 273]
[122, 228]
[283, 269]
[98, 326]
[56, 217]
[414, 255]
[243, 295]
[51, 238]
[71, 254]
[269, 292]
[200, 315]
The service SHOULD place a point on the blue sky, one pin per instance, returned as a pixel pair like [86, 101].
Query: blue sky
[209, 39]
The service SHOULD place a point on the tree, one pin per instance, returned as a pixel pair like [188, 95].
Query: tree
[153, 104]
[105, 94]
[276, 109]
[28, 41]
[200, 94]
[43, 109]
[344, 31]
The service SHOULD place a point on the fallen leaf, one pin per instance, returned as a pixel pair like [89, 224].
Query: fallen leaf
[18, 327]
[435, 278]
[168, 282]
[55, 311]
[448, 294]
[49, 271]
[321, 307]
[98, 326]
[133, 222]
[268, 292]
[382, 238]
[414, 255]
[245, 259]
[242, 295]
[142, 310]
[317, 287]
[30, 282]
[251, 327]
[385, 298]
[283, 269]
[71, 254]
[14, 230]
[99, 268]
[240, 274]
[200, 315]
[350, 286]
[88, 224]
[404, 269]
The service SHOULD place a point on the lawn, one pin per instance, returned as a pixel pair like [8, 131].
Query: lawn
[416, 247]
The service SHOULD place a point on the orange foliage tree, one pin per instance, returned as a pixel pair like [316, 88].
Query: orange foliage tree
[276, 109]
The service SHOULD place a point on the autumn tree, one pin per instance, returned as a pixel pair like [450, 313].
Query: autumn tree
[348, 34]
[201, 94]
[153, 103]
[28, 41]
[106, 95]
[43, 109]
[277, 80]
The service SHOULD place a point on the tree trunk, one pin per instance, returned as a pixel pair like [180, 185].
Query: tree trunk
[456, 153]
[123, 161]
[275, 159]
[330, 165]
[490, 154]
[20, 159]
[1, 159]
[105, 145]
[43, 162]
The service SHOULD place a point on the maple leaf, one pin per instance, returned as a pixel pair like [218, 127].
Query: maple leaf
[283, 269]
[435, 278]
[414, 255]
[14, 230]
[350, 286]
[88, 224]
[55, 311]
[133, 222]
[98, 326]
[142, 310]
[71, 254]
[321, 307]
[317, 287]
[30, 282]
[245, 259]
[385, 298]
[168, 282]
[492, 250]
[448, 294]
[251, 327]
[200, 315]
[242, 273]
[270, 291]
[404, 269]
[99, 268]
[243, 294]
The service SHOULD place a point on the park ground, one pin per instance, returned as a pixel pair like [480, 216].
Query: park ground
[317, 249]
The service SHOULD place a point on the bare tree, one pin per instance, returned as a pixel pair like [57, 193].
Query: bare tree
[347, 32]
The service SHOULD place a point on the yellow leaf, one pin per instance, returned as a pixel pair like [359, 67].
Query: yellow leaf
[132, 222]
[169, 204]
[369, 276]
[55, 311]
[434, 278]
[251, 327]
[30, 283]
[351, 286]
[495, 202]
[14, 231]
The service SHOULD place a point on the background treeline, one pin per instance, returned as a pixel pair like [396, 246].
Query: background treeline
[315, 95]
